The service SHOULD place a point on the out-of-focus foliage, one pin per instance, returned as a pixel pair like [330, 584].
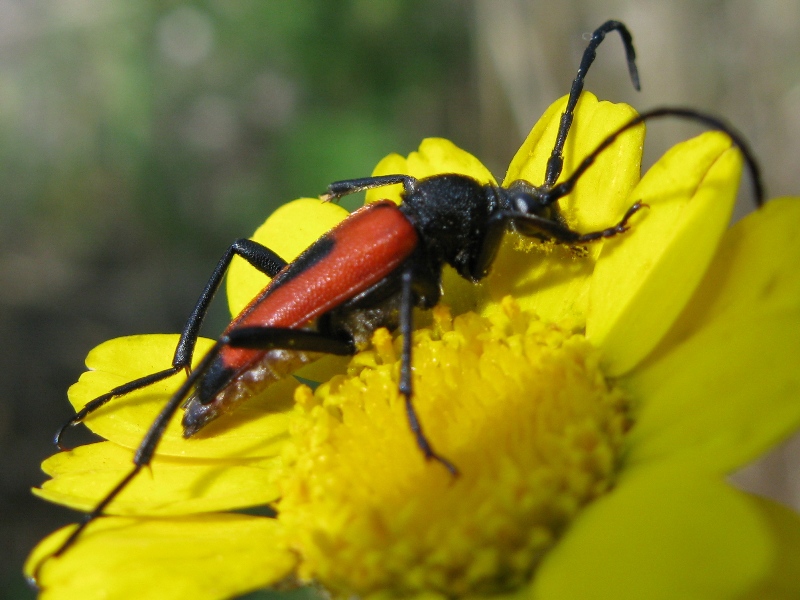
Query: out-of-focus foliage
[138, 139]
[198, 118]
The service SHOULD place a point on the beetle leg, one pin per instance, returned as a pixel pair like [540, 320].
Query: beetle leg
[620, 227]
[146, 449]
[536, 226]
[121, 390]
[261, 257]
[406, 327]
[248, 337]
[350, 186]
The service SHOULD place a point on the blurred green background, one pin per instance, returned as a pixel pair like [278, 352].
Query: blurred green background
[138, 139]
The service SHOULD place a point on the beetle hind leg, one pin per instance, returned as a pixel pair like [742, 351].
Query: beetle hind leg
[122, 390]
[260, 257]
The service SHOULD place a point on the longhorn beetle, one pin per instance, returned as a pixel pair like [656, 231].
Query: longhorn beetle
[370, 271]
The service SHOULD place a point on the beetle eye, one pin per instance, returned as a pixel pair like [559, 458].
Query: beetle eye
[525, 203]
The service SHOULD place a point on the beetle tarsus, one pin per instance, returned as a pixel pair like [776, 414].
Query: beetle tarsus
[60, 433]
[422, 441]
[617, 229]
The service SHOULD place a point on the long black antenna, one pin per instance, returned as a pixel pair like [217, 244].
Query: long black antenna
[556, 161]
[565, 187]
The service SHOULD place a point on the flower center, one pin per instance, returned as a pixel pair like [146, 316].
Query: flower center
[520, 406]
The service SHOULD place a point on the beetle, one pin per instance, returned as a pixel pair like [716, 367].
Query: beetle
[370, 271]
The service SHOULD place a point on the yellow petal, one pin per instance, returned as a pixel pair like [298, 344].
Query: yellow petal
[256, 429]
[288, 231]
[783, 578]
[755, 270]
[435, 156]
[170, 486]
[555, 283]
[724, 385]
[392, 164]
[324, 368]
[438, 155]
[204, 557]
[599, 197]
[661, 534]
[722, 397]
[645, 278]
[530, 161]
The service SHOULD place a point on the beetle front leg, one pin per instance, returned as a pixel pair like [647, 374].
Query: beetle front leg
[350, 186]
[620, 227]
[536, 226]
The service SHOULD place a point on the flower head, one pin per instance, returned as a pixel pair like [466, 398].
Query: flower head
[592, 403]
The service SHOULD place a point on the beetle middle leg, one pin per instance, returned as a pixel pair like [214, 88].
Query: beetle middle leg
[405, 387]
[532, 225]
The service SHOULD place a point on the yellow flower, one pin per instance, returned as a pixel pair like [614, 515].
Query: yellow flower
[593, 405]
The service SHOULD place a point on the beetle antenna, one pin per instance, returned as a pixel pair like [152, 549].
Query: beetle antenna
[566, 186]
[556, 161]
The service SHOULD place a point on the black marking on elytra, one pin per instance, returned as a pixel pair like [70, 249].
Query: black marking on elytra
[312, 255]
[217, 377]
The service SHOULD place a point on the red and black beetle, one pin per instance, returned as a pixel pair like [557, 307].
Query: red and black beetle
[370, 271]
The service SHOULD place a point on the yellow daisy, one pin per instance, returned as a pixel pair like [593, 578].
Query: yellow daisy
[593, 405]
